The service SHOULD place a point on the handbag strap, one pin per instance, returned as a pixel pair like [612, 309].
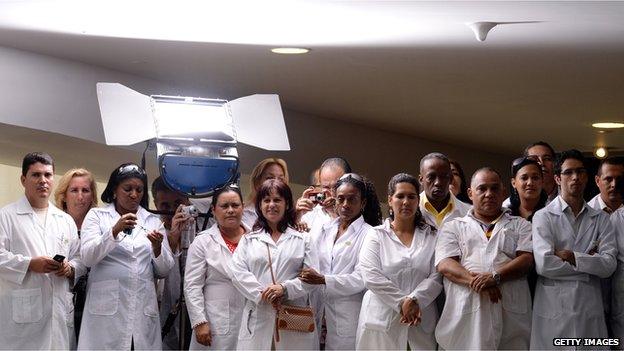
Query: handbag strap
[276, 334]
[270, 263]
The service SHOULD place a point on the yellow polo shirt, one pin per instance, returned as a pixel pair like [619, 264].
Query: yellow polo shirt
[439, 216]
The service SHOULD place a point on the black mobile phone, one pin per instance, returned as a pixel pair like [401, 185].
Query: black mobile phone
[59, 258]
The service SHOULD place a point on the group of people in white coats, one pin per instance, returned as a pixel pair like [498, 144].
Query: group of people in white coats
[437, 273]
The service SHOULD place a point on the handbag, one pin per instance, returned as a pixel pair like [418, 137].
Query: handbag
[291, 317]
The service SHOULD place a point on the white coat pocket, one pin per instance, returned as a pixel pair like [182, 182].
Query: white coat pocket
[104, 297]
[248, 324]
[219, 316]
[463, 300]
[516, 296]
[377, 316]
[509, 244]
[346, 312]
[151, 304]
[549, 304]
[27, 305]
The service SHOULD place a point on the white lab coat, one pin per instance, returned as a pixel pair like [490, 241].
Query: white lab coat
[210, 295]
[121, 305]
[568, 300]
[392, 272]
[316, 219]
[605, 284]
[341, 296]
[617, 283]
[168, 291]
[460, 209]
[249, 216]
[251, 275]
[469, 319]
[37, 308]
[170, 294]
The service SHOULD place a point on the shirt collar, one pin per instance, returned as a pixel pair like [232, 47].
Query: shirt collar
[439, 216]
[486, 224]
[565, 207]
[603, 205]
[24, 207]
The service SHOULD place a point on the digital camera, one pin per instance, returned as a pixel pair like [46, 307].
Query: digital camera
[190, 211]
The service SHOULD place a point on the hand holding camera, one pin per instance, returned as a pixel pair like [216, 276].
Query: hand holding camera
[183, 219]
[125, 223]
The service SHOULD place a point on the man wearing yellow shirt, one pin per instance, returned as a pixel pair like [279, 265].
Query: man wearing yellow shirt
[437, 204]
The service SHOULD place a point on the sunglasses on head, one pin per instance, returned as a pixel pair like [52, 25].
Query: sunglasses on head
[353, 176]
[130, 169]
[521, 162]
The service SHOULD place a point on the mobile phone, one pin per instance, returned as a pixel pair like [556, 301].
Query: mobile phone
[59, 258]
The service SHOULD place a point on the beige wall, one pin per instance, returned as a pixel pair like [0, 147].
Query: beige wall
[40, 86]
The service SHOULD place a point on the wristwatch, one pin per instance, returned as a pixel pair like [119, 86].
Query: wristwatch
[497, 277]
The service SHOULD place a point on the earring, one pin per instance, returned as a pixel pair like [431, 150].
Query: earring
[391, 212]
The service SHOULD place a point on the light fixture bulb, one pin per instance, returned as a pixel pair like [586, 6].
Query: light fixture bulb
[601, 152]
[481, 29]
[608, 125]
[290, 51]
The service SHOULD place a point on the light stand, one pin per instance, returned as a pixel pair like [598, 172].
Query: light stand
[185, 242]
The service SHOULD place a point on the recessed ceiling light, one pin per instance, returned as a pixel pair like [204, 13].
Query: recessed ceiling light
[608, 125]
[601, 152]
[290, 51]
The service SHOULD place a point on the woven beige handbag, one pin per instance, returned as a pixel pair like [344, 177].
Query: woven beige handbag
[290, 317]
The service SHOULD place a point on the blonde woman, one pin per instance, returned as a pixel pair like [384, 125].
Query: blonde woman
[76, 194]
[269, 168]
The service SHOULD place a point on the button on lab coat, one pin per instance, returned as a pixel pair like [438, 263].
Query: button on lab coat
[37, 309]
[391, 272]
[121, 301]
[210, 295]
[251, 274]
[469, 320]
[341, 296]
[568, 300]
[617, 297]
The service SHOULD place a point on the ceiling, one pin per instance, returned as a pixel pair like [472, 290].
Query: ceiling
[410, 67]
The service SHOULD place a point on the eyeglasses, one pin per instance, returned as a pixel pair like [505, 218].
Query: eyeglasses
[129, 169]
[570, 171]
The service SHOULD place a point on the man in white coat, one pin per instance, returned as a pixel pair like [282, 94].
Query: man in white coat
[617, 296]
[314, 214]
[484, 258]
[437, 204]
[610, 173]
[35, 297]
[574, 246]
[168, 200]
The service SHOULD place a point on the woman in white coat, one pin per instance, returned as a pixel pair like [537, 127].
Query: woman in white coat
[215, 307]
[397, 266]
[338, 246]
[251, 273]
[126, 252]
